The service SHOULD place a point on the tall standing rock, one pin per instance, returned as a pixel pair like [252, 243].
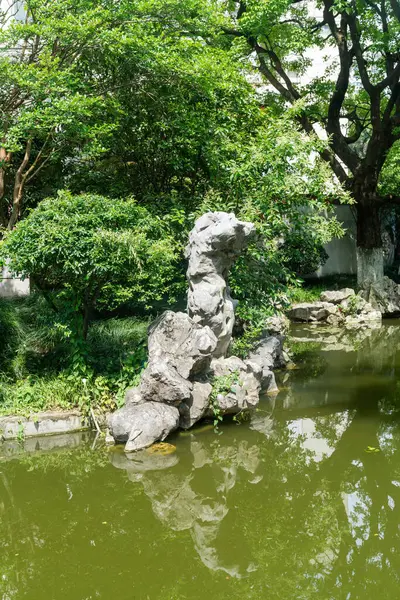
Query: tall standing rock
[215, 242]
[186, 351]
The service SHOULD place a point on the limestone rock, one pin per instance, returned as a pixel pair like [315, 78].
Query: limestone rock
[277, 325]
[174, 385]
[176, 339]
[151, 422]
[311, 311]
[133, 396]
[120, 422]
[178, 349]
[214, 243]
[365, 318]
[245, 388]
[335, 319]
[195, 409]
[268, 354]
[384, 296]
[337, 296]
[161, 382]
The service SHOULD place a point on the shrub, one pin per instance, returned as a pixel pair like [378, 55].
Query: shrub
[88, 252]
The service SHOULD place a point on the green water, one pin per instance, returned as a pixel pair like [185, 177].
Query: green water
[303, 502]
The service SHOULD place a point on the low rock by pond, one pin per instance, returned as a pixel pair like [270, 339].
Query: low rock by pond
[337, 307]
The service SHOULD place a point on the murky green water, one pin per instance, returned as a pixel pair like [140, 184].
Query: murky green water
[301, 503]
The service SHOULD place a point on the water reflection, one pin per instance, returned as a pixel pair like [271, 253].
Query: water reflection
[308, 504]
[183, 500]
[301, 503]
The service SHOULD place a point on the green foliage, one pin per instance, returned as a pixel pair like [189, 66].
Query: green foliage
[151, 100]
[117, 97]
[307, 293]
[155, 106]
[272, 182]
[337, 64]
[221, 385]
[87, 252]
[311, 289]
[11, 332]
[242, 345]
[45, 371]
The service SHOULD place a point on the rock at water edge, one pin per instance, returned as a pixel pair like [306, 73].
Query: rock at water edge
[151, 422]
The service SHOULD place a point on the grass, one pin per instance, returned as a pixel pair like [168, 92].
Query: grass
[311, 289]
[39, 367]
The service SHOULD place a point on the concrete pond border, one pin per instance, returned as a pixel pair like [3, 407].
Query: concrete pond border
[19, 427]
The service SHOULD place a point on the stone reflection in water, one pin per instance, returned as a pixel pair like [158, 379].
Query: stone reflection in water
[335, 364]
[177, 503]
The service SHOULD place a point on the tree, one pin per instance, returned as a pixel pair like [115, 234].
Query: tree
[86, 252]
[144, 99]
[51, 101]
[271, 181]
[356, 102]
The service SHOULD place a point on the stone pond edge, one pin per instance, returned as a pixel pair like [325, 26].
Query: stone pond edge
[14, 427]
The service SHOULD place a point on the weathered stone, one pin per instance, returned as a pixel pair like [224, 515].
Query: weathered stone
[268, 354]
[133, 396]
[337, 296]
[277, 325]
[109, 440]
[268, 382]
[364, 318]
[151, 422]
[161, 382]
[121, 421]
[176, 339]
[384, 296]
[178, 349]
[42, 423]
[335, 319]
[310, 311]
[246, 384]
[221, 367]
[194, 409]
[181, 346]
[214, 243]
[320, 315]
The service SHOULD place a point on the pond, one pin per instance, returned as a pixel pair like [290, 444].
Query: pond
[301, 502]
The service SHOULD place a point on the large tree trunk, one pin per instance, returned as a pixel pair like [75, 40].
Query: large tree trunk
[370, 259]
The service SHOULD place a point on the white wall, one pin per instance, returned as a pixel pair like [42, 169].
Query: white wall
[16, 8]
[11, 287]
[342, 252]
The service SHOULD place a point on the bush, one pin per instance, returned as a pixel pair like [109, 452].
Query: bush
[11, 332]
[40, 370]
[87, 253]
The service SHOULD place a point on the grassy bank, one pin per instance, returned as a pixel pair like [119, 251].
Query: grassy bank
[311, 289]
[43, 367]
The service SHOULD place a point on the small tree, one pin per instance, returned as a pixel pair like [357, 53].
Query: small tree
[88, 252]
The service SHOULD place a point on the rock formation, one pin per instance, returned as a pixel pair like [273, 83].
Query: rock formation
[383, 296]
[215, 242]
[341, 307]
[187, 351]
